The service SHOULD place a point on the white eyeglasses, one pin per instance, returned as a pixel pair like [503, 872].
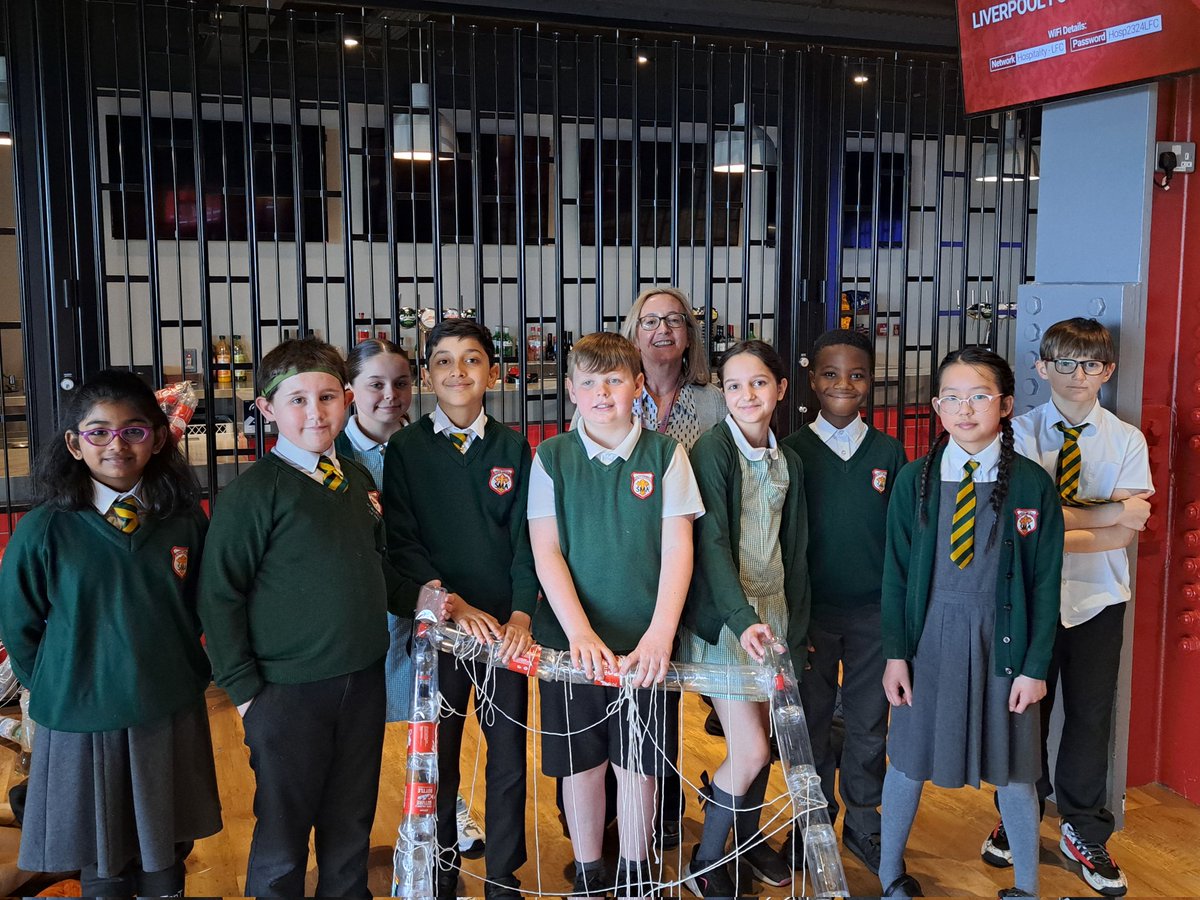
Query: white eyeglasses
[951, 405]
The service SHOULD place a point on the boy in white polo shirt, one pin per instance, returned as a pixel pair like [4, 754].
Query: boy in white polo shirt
[1102, 470]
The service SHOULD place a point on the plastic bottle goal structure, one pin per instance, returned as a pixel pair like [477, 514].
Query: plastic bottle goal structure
[774, 681]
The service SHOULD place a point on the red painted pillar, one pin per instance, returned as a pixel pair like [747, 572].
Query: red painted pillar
[1164, 743]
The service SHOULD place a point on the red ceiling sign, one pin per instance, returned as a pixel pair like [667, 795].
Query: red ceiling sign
[1017, 52]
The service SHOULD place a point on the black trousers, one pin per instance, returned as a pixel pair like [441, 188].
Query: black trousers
[855, 641]
[316, 750]
[504, 776]
[1086, 661]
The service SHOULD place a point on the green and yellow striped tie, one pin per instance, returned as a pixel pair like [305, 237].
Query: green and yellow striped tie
[1070, 464]
[123, 515]
[333, 478]
[459, 439]
[962, 526]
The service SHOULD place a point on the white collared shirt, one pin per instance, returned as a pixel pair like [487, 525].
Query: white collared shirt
[1114, 456]
[442, 423]
[103, 497]
[956, 457]
[304, 460]
[359, 439]
[754, 454]
[681, 494]
[842, 441]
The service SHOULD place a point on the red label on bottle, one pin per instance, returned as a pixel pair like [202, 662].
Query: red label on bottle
[610, 678]
[527, 663]
[422, 737]
[421, 628]
[780, 684]
[420, 799]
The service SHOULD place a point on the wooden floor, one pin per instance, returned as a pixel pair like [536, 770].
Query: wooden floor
[1157, 849]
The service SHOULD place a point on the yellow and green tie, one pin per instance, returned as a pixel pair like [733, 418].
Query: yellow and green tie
[1070, 464]
[962, 526]
[459, 439]
[123, 515]
[333, 478]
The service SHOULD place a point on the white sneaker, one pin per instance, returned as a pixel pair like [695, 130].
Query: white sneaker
[470, 835]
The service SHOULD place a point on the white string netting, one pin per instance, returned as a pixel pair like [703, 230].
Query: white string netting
[417, 862]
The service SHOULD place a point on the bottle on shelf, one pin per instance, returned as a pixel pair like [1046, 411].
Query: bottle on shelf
[568, 342]
[222, 359]
[362, 331]
[240, 375]
[533, 344]
[750, 335]
[550, 354]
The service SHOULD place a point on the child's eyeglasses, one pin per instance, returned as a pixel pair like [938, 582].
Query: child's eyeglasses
[102, 437]
[951, 405]
[1068, 366]
[650, 321]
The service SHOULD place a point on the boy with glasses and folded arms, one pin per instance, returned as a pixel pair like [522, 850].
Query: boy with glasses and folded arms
[1102, 471]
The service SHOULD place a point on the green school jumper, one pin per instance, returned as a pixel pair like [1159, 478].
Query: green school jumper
[610, 530]
[101, 626]
[294, 584]
[460, 516]
[848, 501]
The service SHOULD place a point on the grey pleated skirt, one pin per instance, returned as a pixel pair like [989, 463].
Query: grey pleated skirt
[111, 798]
[959, 730]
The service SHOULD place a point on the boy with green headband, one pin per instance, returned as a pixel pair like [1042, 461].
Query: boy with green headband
[292, 601]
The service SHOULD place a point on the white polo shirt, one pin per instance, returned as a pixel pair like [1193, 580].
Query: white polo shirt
[842, 441]
[1114, 457]
[681, 494]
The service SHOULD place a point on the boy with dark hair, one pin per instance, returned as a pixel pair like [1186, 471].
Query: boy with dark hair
[293, 593]
[1101, 467]
[455, 484]
[610, 493]
[849, 468]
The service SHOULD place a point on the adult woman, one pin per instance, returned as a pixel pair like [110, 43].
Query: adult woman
[678, 400]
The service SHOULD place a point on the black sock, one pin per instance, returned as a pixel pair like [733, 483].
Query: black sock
[718, 822]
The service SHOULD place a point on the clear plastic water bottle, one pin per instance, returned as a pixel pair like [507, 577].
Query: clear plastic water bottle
[822, 860]
[415, 856]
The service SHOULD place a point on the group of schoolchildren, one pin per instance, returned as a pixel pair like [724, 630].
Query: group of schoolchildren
[935, 591]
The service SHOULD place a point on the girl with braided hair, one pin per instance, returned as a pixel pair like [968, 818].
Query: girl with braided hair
[970, 604]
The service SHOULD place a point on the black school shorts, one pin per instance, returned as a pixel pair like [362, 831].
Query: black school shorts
[574, 707]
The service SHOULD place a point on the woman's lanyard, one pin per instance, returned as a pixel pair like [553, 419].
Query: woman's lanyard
[660, 425]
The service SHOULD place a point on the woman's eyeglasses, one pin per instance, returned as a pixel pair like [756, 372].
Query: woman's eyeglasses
[952, 406]
[1068, 366]
[650, 321]
[102, 437]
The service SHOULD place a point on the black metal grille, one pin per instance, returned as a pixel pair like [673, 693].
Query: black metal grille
[236, 172]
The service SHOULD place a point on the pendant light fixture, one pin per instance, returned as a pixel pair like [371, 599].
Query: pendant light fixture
[1005, 160]
[729, 146]
[411, 131]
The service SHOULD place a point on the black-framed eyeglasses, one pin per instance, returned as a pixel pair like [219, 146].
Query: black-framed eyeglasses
[951, 405]
[1068, 366]
[102, 437]
[650, 321]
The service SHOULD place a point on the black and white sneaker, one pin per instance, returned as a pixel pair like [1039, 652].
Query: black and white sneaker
[995, 850]
[1098, 869]
[707, 878]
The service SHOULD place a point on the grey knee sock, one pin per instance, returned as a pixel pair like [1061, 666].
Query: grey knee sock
[749, 813]
[718, 822]
[1019, 812]
[901, 796]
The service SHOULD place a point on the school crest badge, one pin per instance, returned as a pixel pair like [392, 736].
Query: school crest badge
[1027, 521]
[376, 506]
[179, 559]
[641, 484]
[501, 481]
[879, 480]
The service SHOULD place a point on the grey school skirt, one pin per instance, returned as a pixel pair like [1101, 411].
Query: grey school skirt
[112, 798]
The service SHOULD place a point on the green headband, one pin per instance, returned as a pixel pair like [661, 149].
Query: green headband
[274, 383]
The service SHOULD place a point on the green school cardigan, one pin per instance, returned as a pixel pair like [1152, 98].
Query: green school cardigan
[716, 598]
[1028, 578]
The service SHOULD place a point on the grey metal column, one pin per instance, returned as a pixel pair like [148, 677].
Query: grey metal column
[1093, 250]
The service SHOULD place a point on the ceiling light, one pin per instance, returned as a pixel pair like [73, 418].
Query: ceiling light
[860, 79]
[729, 146]
[350, 41]
[411, 130]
